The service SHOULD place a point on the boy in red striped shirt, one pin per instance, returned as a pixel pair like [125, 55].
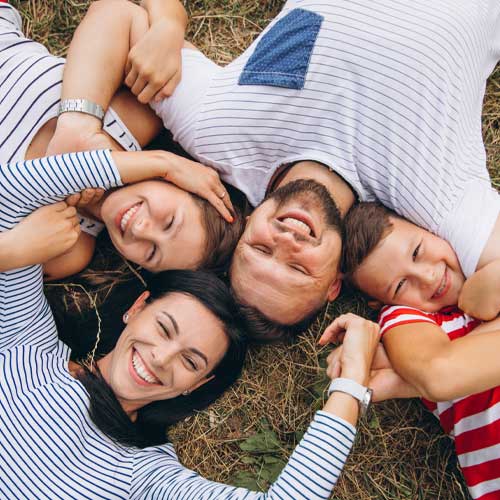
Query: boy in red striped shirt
[437, 351]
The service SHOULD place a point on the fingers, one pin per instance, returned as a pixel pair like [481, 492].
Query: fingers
[168, 89]
[220, 206]
[335, 331]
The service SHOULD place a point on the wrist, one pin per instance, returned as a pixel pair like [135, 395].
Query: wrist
[11, 257]
[79, 121]
[356, 373]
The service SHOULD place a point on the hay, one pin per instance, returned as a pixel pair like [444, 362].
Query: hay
[400, 451]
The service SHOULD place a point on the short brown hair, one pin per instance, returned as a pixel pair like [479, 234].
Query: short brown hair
[221, 236]
[365, 226]
[262, 330]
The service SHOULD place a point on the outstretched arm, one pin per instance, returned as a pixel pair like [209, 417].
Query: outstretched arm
[315, 465]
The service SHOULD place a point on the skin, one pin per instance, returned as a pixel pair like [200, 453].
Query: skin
[165, 232]
[412, 267]
[179, 342]
[280, 267]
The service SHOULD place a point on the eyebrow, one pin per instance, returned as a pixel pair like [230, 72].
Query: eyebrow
[191, 349]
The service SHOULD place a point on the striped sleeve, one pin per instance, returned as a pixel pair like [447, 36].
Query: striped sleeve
[311, 472]
[26, 186]
[392, 316]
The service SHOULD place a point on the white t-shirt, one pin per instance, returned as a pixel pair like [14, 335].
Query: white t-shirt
[392, 102]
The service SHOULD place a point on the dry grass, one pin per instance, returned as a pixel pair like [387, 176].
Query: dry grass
[400, 452]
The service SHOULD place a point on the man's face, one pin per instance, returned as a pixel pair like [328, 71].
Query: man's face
[286, 262]
[412, 267]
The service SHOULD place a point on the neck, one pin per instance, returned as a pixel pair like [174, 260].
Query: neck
[338, 188]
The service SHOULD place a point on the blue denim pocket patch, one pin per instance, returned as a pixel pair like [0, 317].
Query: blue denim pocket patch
[281, 58]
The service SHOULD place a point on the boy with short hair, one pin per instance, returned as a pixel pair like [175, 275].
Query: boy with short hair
[441, 351]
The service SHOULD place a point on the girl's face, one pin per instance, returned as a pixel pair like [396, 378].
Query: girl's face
[168, 347]
[155, 225]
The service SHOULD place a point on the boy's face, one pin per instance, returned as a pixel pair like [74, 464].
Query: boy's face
[412, 267]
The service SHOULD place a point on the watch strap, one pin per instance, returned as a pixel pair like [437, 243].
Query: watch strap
[81, 106]
[361, 393]
[348, 386]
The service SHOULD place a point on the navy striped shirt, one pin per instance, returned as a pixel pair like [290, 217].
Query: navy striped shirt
[49, 448]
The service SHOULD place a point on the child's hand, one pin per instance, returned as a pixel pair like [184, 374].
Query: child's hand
[85, 198]
[480, 295]
[46, 233]
[387, 384]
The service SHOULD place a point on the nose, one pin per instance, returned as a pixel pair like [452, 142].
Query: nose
[286, 242]
[143, 229]
[427, 275]
[162, 355]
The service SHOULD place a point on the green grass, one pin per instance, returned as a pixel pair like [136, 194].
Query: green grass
[400, 451]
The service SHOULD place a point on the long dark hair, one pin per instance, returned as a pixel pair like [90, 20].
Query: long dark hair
[154, 419]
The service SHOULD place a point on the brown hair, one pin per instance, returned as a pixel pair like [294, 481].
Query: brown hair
[365, 226]
[221, 236]
[261, 330]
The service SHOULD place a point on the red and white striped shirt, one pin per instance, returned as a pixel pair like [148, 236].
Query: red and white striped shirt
[473, 421]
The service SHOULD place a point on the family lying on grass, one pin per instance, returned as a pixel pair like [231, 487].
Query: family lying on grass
[334, 105]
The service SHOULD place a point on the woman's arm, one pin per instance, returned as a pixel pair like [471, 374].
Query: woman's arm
[315, 465]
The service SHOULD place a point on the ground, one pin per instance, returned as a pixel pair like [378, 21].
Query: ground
[400, 452]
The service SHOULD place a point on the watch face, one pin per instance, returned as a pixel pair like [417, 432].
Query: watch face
[364, 404]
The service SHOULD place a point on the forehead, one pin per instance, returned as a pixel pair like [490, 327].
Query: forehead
[196, 323]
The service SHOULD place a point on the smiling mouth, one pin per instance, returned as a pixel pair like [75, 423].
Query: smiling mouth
[299, 222]
[443, 286]
[142, 371]
[127, 217]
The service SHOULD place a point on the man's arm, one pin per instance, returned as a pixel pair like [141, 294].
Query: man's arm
[440, 369]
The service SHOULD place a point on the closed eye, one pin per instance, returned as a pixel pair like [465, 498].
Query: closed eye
[398, 288]
[416, 251]
[191, 364]
[170, 223]
[262, 249]
[300, 269]
[164, 329]
[152, 253]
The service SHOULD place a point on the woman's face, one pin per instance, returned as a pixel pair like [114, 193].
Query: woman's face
[155, 225]
[168, 347]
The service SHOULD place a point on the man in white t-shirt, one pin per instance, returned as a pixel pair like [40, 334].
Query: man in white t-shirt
[376, 99]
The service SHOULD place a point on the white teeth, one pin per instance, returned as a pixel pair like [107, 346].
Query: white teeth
[297, 223]
[141, 370]
[441, 286]
[127, 216]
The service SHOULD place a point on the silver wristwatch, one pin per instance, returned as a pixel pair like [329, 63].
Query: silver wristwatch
[81, 106]
[361, 393]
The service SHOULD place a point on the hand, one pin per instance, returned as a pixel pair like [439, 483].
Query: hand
[360, 339]
[202, 181]
[154, 63]
[45, 233]
[387, 384]
[480, 295]
[78, 132]
[85, 198]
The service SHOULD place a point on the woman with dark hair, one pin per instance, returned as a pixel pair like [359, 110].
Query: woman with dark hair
[158, 225]
[98, 431]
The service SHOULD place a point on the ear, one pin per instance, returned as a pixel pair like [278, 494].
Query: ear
[374, 304]
[334, 289]
[137, 306]
[201, 382]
